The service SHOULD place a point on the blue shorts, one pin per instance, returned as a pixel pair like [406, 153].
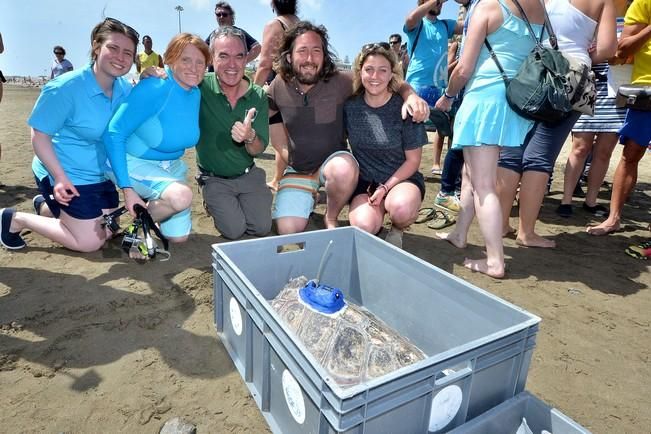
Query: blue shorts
[430, 94]
[150, 178]
[93, 199]
[541, 147]
[297, 192]
[637, 127]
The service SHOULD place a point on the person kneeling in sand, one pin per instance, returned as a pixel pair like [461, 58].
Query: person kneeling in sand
[67, 122]
[387, 147]
[234, 129]
[149, 133]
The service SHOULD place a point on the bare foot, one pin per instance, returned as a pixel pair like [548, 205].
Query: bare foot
[535, 240]
[482, 266]
[452, 237]
[329, 223]
[603, 229]
[508, 231]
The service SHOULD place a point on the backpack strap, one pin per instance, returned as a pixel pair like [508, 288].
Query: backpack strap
[546, 26]
[497, 62]
[413, 47]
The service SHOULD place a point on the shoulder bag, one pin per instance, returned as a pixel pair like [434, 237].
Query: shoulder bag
[634, 96]
[580, 86]
[538, 90]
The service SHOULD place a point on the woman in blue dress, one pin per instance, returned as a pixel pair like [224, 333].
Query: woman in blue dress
[149, 133]
[485, 122]
[67, 123]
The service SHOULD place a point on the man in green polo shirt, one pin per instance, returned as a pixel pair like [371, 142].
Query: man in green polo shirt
[233, 120]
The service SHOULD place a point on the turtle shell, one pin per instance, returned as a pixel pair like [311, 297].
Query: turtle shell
[352, 345]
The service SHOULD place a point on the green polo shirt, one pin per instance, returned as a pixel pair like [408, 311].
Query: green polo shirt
[216, 150]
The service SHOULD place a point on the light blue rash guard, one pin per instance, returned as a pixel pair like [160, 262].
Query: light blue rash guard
[158, 121]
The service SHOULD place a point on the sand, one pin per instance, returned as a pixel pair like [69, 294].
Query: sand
[98, 343]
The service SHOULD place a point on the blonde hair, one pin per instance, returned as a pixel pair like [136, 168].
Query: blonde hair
[376, 50]
[179, 42]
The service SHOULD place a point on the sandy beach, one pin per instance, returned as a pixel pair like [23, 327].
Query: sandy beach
[99, 343]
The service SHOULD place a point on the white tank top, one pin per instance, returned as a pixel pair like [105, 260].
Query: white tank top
[574, 30]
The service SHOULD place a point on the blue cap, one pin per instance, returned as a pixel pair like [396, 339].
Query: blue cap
[322, 298]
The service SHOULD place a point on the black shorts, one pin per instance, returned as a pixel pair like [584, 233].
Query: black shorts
[92, 199]
[362, 187]
[276, 119]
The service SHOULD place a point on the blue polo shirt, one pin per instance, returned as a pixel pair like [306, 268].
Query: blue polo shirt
[73, 110]
[428, 66]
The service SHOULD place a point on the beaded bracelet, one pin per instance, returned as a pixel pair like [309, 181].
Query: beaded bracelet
[386, 189]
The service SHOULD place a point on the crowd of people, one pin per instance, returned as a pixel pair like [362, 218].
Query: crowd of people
[355, 135]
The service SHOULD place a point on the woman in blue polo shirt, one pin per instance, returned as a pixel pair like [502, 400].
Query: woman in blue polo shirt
[67, 124]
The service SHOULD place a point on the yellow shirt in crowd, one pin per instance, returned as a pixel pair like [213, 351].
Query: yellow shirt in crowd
[147, 60]
[640, 13]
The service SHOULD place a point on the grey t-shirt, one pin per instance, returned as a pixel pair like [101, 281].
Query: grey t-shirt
[379, 138]
[314, 119]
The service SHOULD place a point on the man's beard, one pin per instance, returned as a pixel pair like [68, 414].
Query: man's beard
[305, 78]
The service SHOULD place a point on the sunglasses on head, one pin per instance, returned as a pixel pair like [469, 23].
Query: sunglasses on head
[375, 46]
[120, 23]
[222, 14]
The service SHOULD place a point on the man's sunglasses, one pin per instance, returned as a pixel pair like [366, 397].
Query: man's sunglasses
[222, 14]
[394, 42]
[59, 52]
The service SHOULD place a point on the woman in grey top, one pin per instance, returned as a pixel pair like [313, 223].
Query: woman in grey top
[387, 148]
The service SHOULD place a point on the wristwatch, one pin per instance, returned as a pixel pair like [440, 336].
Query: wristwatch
[251, 139]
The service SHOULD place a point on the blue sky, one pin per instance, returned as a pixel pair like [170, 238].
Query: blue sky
[30, 28]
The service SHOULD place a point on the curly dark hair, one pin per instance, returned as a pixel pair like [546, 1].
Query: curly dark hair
[284, 66]
[284, 7]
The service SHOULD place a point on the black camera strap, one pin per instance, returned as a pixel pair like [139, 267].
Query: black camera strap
[148, 224]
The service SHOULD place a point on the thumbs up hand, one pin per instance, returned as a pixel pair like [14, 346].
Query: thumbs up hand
[242, 132]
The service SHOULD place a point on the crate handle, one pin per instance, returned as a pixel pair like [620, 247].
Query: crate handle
[447, 376]
[290, 247]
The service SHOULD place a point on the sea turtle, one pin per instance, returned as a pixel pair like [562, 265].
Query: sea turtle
[351, 344]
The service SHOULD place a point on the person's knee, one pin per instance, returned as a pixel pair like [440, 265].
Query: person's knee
[178, 240]
[341, 169]
[286, 226]
[180, 198]
[260, 229]
[581, 150]
[367, 225]
[632, 153]
[90, 244]
[403, 213]
[230, 230]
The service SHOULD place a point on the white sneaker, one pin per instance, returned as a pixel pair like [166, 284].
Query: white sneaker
[394, 237]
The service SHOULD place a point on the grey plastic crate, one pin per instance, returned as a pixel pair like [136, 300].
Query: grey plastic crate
[478, 346]
[507, 417]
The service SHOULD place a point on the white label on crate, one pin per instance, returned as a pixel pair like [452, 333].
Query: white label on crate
[236, 316]
[445, 406]
[293, 397]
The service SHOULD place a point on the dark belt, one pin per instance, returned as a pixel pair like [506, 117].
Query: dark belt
[209, 173]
